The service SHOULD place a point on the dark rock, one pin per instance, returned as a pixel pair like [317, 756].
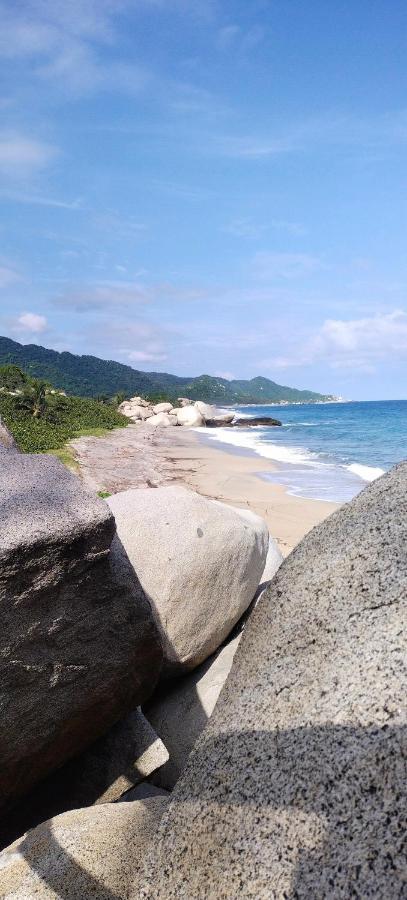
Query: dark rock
[297, 786]
[78, 646]
[255, 420]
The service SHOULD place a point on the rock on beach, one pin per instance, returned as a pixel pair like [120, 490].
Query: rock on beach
[199, 562]
[78, 645]
[297, 785]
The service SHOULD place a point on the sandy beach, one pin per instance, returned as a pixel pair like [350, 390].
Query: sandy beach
[138, 456]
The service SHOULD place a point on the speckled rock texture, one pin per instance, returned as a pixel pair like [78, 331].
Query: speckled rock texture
[78, 645]
[83, 854]
[198, 561]
[296, 787]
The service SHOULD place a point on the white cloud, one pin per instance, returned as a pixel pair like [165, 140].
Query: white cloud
[32, 323]
[351, 344]
[22, 155]
[285, 265]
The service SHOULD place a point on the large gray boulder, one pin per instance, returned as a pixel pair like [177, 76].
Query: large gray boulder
[198, 561]
[78, 645]
[180, 710]
[297, 786]
[95, 852]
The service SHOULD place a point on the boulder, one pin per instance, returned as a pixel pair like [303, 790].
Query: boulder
[220, 420]
[7, 441]
[146, 412]
[180, 710]
[161, 419]
[206, 411]
[251, 421]
[189, 416]
[117, 762]
[163, 407]
[95, 852]
[198, 561]
[183, 401]
[78, 645]
[296, 787]
[135, 412]
[173, 420]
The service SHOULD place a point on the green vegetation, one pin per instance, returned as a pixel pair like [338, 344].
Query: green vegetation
[89, 376]
[104, 494]
[43, 421]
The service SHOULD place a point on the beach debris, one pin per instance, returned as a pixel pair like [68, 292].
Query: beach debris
[96, 852]
[199, 562]
[78, 646]
[297, 785]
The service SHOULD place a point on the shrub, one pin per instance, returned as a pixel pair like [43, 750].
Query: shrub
[62, 419]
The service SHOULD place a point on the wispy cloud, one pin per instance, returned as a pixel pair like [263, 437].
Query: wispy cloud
[8, 276]
[21, 155]
[109, 296]
[268, 266]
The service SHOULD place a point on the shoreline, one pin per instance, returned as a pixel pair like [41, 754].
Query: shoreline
[138, 456]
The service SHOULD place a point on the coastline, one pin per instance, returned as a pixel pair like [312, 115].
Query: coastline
[138, 456]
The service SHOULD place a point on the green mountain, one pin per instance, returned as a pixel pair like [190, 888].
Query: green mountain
[88, 376]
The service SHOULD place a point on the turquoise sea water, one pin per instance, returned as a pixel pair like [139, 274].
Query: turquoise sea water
[327, 451]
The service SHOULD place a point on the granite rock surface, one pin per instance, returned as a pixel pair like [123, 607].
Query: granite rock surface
[297, 785]
[94, 852]
[78, 645]
[199, 562]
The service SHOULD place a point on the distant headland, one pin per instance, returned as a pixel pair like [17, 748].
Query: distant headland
[89, 376]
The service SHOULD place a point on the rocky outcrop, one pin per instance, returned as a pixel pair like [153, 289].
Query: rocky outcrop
[206, 411]
[198, 561]
[161, 419]
[296, 786]
[181, 709]
[95, 852]
[78, 644]
[7, 441]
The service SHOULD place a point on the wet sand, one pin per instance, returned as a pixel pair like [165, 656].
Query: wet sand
[140, 456]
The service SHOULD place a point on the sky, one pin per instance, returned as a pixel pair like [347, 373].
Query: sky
[209, 186]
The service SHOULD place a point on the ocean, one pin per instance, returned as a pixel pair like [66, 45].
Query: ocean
[327, 451]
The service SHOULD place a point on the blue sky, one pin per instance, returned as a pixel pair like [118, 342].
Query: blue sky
[209, 186]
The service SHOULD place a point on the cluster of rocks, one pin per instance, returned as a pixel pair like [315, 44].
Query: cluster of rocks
[104, 611]
[122, 625]
[190, 414]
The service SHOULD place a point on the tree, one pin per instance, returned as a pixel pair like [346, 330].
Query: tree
[34, 399]
[12, 378]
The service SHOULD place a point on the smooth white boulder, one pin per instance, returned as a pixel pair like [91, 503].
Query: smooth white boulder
[206, 411]
[199, 563]
[95, 852]
[221, 419]
[184, 401]
[162, 407]
[160, 420]
[189, 416]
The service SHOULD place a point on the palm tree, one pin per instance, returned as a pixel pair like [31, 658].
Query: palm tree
[34, 399]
